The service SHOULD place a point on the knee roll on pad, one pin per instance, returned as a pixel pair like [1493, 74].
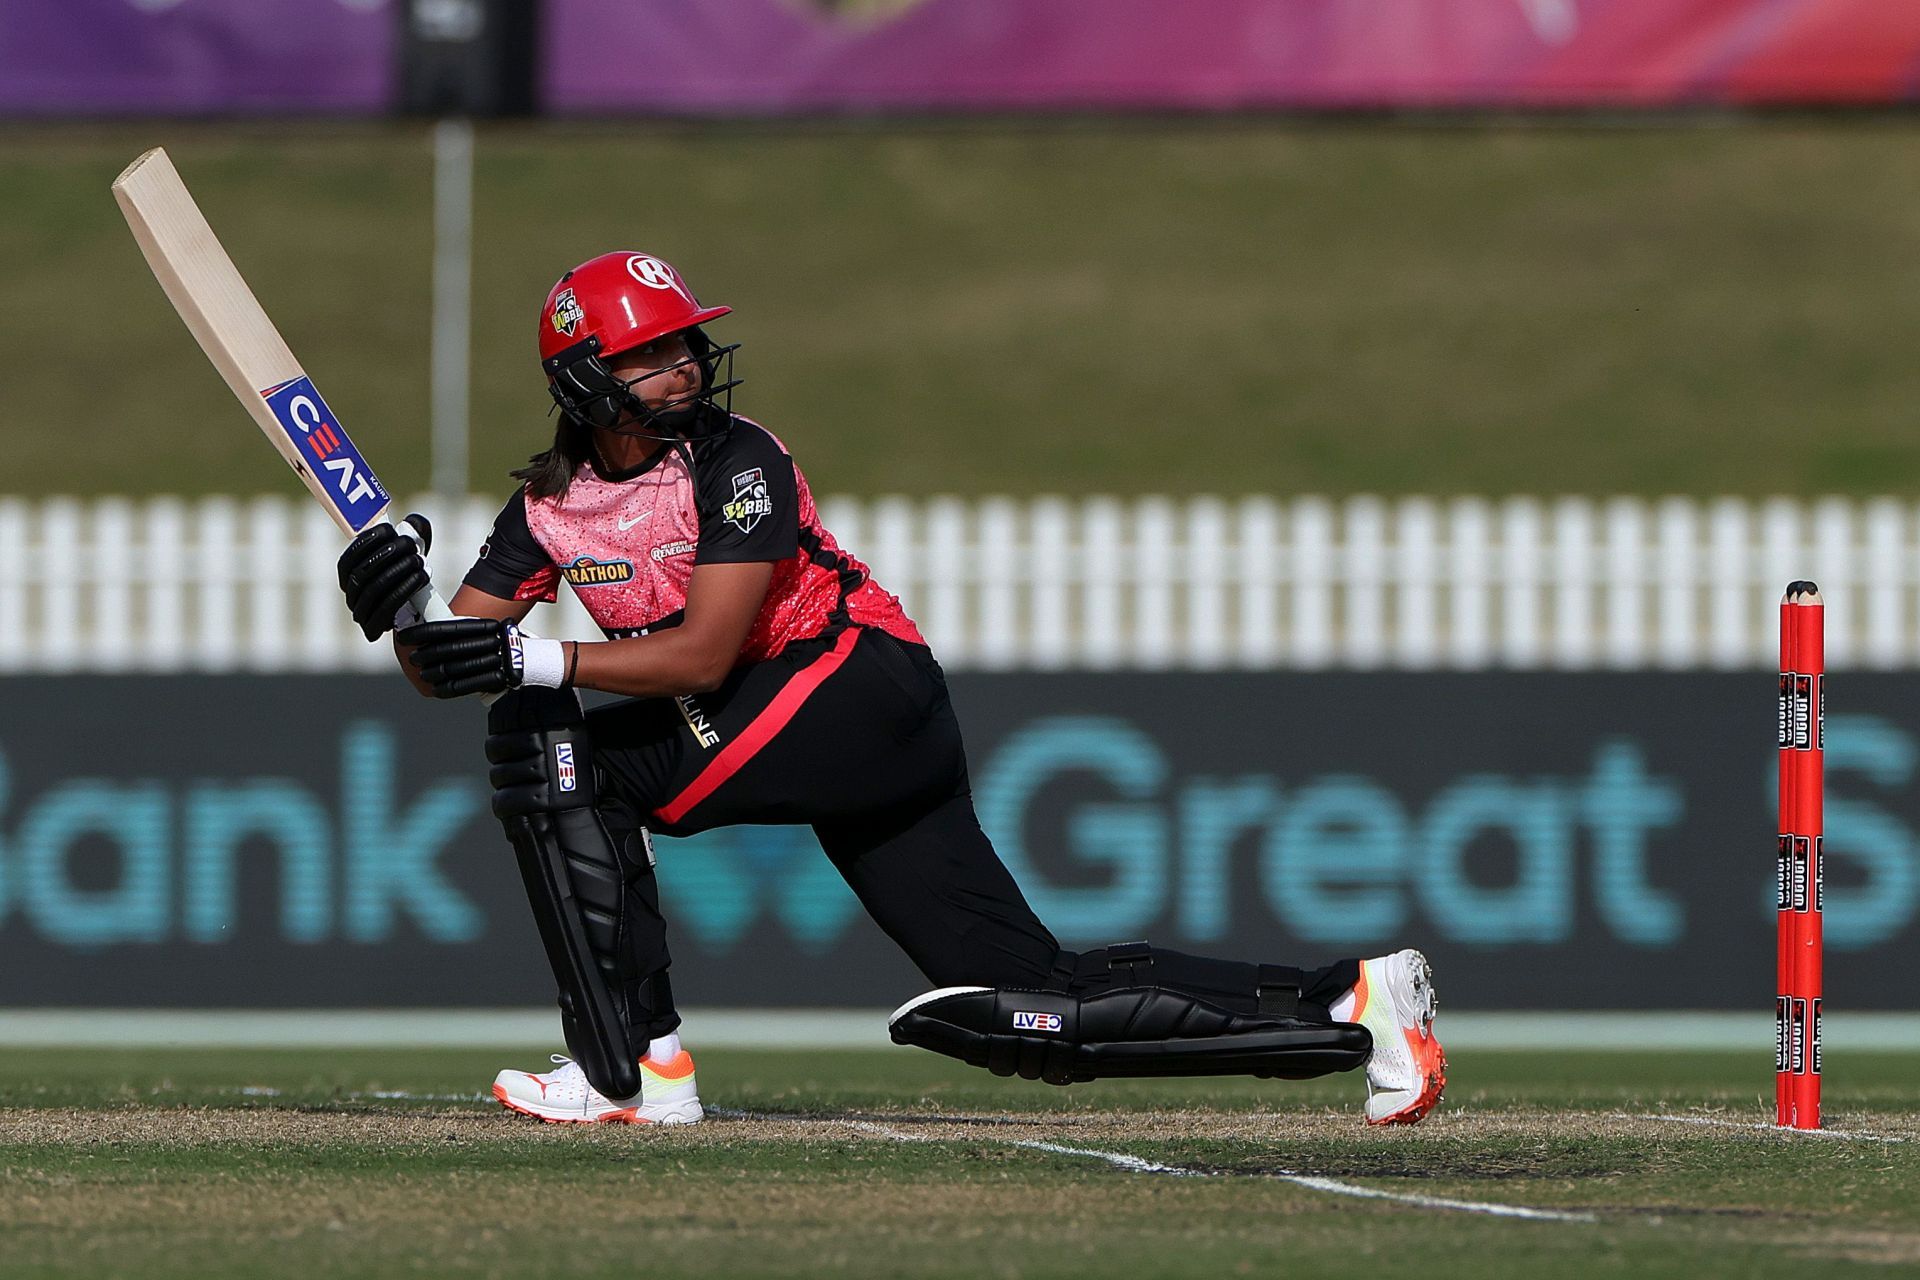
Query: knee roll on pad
[543, 794]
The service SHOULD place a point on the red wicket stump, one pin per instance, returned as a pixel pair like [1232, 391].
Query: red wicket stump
[1799, 869]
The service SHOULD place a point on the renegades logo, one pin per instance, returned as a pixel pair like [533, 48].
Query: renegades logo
[588, 572]
[751, 503]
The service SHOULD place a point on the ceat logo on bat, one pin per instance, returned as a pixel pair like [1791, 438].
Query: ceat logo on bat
[563, 765]
[1025, 1021]
[347, 481]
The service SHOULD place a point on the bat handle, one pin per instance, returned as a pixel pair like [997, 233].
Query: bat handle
[426, 604]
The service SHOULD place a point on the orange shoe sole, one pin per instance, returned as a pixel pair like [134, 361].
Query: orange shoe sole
[626, 1115]
[1433, 1063]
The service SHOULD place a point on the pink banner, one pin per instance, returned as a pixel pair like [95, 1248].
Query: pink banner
[771, 56]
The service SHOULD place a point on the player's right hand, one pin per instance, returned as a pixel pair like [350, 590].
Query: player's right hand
[380, 570]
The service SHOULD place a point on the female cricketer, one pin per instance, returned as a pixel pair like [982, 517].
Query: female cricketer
[769, 679]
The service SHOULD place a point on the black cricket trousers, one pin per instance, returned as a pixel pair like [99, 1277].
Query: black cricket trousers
[854, 735]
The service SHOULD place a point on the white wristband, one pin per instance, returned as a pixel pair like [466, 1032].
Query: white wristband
[543, 662]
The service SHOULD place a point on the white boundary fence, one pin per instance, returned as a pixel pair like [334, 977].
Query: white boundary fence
[219, 584]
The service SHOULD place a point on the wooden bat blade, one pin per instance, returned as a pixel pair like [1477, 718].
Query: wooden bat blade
[233, 329]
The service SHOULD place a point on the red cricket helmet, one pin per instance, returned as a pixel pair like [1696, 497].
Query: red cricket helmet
[611, 304]
[623, 299]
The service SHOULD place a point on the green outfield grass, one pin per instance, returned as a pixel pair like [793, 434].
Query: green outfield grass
[205, 1164]
[1259, 306]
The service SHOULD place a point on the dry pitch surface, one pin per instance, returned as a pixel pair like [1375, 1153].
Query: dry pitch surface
[198, 1163]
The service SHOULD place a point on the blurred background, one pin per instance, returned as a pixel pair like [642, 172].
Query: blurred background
[1349, 456]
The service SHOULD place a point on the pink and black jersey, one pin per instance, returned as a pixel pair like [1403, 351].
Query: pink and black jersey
[628, 542]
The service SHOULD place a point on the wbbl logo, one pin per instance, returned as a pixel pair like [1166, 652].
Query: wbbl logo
[563, 766]
[1025, 1021]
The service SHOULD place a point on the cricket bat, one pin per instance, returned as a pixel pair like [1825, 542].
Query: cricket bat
[232, 328]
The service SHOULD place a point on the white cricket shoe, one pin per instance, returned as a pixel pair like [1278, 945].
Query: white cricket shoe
[1407, 1070]
[667, 1094]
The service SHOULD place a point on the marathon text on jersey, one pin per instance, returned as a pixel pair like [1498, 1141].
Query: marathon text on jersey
[588, 572]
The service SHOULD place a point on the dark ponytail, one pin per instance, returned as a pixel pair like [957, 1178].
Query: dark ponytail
[548, 473]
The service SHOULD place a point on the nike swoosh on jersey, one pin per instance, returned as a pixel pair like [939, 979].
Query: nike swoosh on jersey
[626, 524]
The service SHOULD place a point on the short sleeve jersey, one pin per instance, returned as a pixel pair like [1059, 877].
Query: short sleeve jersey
[628, 544]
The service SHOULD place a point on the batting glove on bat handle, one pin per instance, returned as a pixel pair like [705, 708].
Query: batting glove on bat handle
[460, 656]
[383, 570]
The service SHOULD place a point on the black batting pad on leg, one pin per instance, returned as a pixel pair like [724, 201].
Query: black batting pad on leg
[1130, 1031]
[575, 879]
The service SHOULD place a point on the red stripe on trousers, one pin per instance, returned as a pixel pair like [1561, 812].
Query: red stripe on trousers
[761, 729]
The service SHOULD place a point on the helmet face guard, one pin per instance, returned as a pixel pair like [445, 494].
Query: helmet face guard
[587, 390]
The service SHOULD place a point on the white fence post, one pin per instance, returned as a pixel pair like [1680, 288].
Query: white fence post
[1258, 584]
[1309, 582]
[1205, 537]
[1470, 530]
[269, 538]
[1364, 624]
[1572, 583]
[16, 645]
[1152, 572]
[1675, 573]
[1418, 574]
[1000, 571]
[1833, 565]
[1730, 620]
[1885, 585]
[1520, 604]
[60, 565]
[1049, 560]
[1103, 551]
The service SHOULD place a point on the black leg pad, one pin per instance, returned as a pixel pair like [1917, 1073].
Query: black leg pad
[1122, 1032]
[543, 794]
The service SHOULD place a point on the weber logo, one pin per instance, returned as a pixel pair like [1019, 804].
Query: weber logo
[1025, 1021]
[563, 766]
[1820, 717]
[1819, 873]
[1803, 713]
[1816, 1037]
[1802, 853]
[1783, 875]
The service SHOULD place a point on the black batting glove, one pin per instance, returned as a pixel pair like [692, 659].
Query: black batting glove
[466, 655]
[380, 570]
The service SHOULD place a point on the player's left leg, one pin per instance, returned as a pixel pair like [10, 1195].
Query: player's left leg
[1010, 998]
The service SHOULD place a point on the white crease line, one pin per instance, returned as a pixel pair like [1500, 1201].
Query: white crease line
[1847, 1135]
[1118, 1159]
[1439, 1202]
[1332, 1186]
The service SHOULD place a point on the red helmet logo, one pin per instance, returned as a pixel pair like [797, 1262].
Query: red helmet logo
[624, 300]
[654, 274]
